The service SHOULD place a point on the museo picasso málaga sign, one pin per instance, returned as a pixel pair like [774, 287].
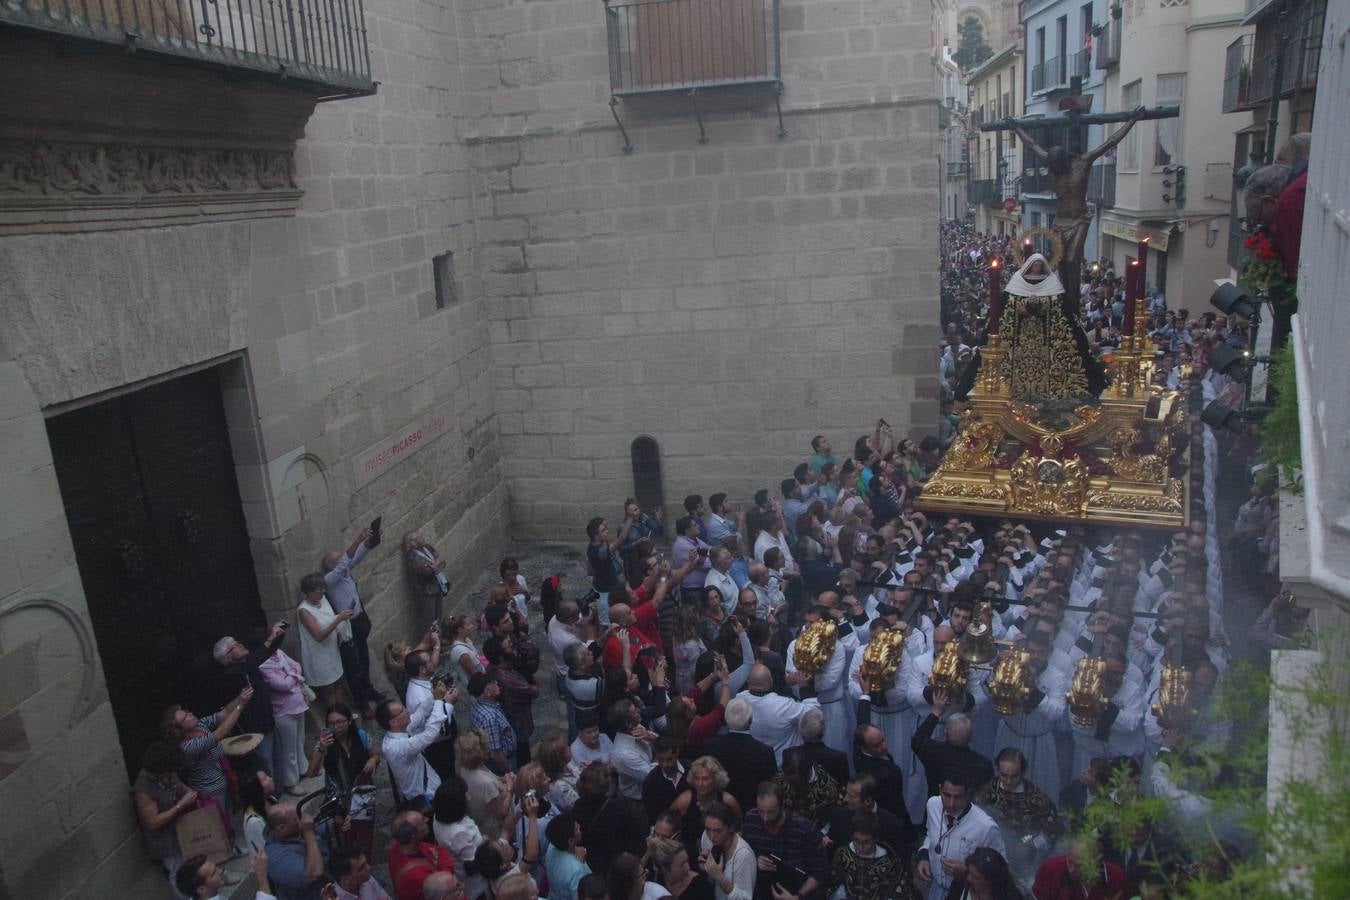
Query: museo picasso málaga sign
[375, 461]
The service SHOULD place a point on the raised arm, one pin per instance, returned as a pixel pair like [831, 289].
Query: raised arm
[1117, 137]
[1026, 138]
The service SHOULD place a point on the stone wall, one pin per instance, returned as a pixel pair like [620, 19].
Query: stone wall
[731, 298]
[326, 322]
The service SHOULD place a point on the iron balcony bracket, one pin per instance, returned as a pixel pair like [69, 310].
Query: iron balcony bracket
[698, 116]
[614, 111]
[778, 105]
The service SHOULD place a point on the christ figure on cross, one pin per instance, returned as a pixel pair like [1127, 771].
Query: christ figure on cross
[1071, 174]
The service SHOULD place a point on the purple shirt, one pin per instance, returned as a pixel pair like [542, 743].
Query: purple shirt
[679, 555]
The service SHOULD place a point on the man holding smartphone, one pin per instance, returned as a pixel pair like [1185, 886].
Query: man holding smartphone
[344, 596]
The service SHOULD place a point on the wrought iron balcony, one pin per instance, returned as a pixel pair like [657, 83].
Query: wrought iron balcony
[958, 169]
[682, 45]
[1108, 45]
[317, 45]
[1057, 71]
[1045, 75]
[1237, 75]
[985, 192]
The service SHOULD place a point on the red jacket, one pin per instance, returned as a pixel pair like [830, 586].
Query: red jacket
[1286, 224]
[408, 871]
[1053, 882]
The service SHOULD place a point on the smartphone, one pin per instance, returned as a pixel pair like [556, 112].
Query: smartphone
[375, 531]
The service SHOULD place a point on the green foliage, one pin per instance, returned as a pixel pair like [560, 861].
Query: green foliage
[1240, 849]
[1280, 431]
[971, 47]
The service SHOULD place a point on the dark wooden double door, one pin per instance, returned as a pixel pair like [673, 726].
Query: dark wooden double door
[148, 483]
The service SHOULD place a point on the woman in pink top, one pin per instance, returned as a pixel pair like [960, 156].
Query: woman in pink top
[287, 687]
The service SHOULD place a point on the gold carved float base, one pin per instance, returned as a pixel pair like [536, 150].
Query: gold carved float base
[1120, 459]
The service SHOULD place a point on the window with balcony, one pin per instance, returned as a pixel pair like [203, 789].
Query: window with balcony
[1130, 95]
[1167, 145]
[669, 45]
[319, 46]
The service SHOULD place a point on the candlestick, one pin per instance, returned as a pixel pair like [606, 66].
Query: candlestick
[1140, 288]
[995, 296]
[1131, 294]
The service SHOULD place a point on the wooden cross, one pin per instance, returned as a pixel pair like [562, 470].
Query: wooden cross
[1071, 172]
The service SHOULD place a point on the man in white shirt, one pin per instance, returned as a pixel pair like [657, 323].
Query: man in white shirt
[201, 879]
[407, 734]
[773, 717]
[956, 829]
[632, 753]
[591, 744]
[1119, 729]
[419, 666]
[719, 576]
[565, 629]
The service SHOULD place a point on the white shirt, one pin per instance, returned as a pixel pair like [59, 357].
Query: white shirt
[973, 830]
[583, 756]
[727, 585]
[766, 540]
[419, 696]
[632, 759]
[403, 750]
[740, 868]
[774, 719]
[560, 637]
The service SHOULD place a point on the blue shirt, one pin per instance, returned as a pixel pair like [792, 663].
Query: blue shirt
[644, 527]
[286, 868]
[487, 716]
[740, 573]
[565, 871]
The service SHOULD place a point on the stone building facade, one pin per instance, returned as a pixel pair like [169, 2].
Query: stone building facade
[453, 303]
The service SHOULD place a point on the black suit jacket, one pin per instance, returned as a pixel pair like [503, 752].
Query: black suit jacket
[747, 761]
[658, 793]
[940, 758]
[833, 761]
[890, 782]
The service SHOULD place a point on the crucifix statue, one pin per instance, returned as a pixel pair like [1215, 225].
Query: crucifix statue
[1070, 171]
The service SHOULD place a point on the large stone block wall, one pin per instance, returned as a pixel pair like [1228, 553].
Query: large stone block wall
[326, 323]
[730, 298]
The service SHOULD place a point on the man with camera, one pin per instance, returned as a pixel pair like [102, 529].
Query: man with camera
[407, 734]
[420, 666]
[343, 596]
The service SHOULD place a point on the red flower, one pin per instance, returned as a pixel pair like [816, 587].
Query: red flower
[1260, 247]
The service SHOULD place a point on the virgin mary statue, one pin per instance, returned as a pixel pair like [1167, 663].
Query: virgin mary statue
[1047, 354]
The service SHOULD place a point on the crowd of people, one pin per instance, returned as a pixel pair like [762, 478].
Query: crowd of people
[703, 756]
[715, 746]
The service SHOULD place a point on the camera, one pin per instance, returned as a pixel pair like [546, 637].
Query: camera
[439, 678]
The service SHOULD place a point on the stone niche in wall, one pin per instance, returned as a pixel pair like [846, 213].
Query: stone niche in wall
[93, 140]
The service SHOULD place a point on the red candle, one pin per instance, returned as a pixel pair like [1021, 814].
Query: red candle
[995, 296]
[1143, 266]
[1132, 278]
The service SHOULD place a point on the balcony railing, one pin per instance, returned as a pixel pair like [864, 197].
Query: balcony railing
[318, 45]
[670, 45]
[958, 169]
[985, 192]
[1249, 75]
[1108, 46]
[1080, 65]
[1045, 75]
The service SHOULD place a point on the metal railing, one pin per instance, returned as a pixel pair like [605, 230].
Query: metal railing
[1237, 74]
[985, 192]
[1045, 75]
[1080, 65]
[1301, 52]
[958, 169]
[318, 44]
[1108, 45]
[669, 45]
